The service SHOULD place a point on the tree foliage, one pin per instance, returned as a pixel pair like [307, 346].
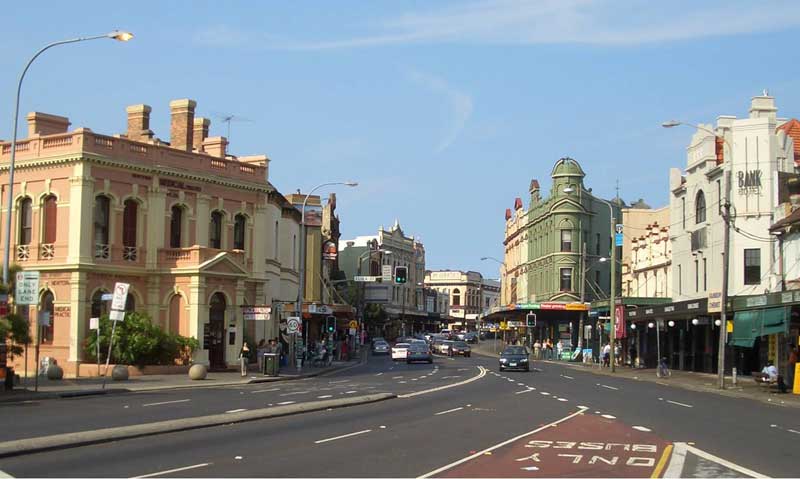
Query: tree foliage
[14, 329]
[139, 342]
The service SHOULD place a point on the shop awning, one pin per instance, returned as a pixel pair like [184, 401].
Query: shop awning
[752, 324]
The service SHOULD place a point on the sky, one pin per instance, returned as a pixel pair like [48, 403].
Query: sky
[442, 111]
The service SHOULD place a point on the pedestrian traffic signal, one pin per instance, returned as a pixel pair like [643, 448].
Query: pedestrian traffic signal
[530, 320]
[400, 274]
[330, 324]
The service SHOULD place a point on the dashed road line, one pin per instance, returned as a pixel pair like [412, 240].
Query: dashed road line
[543, 393]
[524, 391]
[170, 471]
[265, 390]
[448, 411]
[326, 396]
[339, 381]
[284, 403]
[566, 377]
[642, 428]
[295, 393]
[679, 403]
[165, 402]
[608, 416]
[235, 410]
[343, 436]
[349, 392]
[609, 387]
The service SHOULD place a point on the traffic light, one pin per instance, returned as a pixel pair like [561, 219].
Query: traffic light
[400, 274]
[330, 324]
[530, 320]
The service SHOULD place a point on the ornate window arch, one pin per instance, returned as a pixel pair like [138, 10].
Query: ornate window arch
[700, 207]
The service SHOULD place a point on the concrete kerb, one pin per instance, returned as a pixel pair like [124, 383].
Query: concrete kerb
[83, 438]
[30, 396]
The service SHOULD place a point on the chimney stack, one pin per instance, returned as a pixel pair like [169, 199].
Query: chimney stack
[139, 122]
[181, 123]
[46, 124]
[216, 146]
[200, 134]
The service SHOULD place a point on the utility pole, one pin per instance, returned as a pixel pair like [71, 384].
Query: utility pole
[612, 304]
[726, 239]
[583, 295]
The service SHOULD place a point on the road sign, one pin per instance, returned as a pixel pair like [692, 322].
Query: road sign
[293, 325]
[618, 227]
[94, 323]
[367, 279]
[353, 324]
[386, 272]
[27, 290]
[116, 315]
[120, 296]
[618, 239]
[44, 318]
[106, 297]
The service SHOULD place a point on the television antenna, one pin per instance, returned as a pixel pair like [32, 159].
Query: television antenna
[227, 118]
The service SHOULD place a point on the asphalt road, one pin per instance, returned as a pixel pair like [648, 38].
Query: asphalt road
[552, 422]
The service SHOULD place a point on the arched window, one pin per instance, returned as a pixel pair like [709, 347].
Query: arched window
[25, 221]
[175, 227]
[48, 327]
[50, 220]
[215, 231]
[700, 208]
[101, 226]
[239, 223]
[277, 240]
[456, 297]
[130, 221]
[99, 307]
[130, 303]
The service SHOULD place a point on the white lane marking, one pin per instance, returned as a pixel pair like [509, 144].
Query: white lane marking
[610, 387]
[235, 410]
[265, 390]
[676, 460]
[343, 436]
[4, 474]
[719, 460]
[414, 379]
[529, 468]
[379, 374]
[608, 416]
[450, 377]
[349, 392]
[524, 391]
[679, 403]
[793, 431]
[448, 411]
[170, 471]
[545, 393]
[398, 377]
[165, 402]
[641, 428]
[295, 393]
[497, 446]
[285, 403]
[563, 399]
[567, 377]
[463, 369]
[482, 373]
[326, 396]
[520, 384]
[401, 382]
[339, 381]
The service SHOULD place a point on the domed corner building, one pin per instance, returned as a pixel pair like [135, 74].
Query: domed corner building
[548, 246]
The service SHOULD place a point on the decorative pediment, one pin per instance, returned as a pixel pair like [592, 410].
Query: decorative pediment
[222, 264]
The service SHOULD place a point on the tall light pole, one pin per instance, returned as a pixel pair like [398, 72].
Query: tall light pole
[301, 290]
[505, 272]
[726, 218]
[115, 35]
[612, 305]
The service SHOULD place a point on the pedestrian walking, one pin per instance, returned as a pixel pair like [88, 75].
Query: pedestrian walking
[537, 348]
[792, 362]
[244, 356]
[607, 355]
[549, 347]
[632, 353]
[559, 349]
[260, 350]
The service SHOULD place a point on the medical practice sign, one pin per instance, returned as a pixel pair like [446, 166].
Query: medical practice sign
[27, 289]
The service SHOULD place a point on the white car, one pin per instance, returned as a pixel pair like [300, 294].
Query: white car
[400, 351]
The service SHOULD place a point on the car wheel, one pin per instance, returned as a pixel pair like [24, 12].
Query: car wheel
[430, 361]
[502, 369]
[408, 361]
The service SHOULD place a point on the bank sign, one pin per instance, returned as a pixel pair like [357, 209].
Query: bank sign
[749, 182]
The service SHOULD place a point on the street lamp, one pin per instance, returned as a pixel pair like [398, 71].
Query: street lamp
[301, 290]
[612, 307]
[115, 35]
[726, 217]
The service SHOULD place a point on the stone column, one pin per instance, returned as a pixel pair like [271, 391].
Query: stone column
[203, 215]
[154, 305]
[198, 316]
[157, 218]
[81, 214]
[78, 314]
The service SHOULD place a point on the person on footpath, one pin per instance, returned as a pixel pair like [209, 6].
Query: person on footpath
[260, 350]
[792, 362]
[559, 349]
[244, 356]
[549, 348]
[607, 355]
[537, 347]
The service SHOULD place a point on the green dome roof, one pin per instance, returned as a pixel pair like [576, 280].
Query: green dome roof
[567, 167]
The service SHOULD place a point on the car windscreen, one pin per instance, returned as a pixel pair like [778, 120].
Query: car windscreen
[461, 344]
[514, 350]
[418, 348]
[402, 345]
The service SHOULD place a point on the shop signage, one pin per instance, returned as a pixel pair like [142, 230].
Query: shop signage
[786, 297]
[669, 309]
[693, 306]
[329, 251]
[256, 313]
[715, 302]
[756, 301]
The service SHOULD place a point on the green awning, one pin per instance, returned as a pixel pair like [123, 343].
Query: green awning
[752, 324]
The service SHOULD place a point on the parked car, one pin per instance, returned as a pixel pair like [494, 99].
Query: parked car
[471, 338]
[377, 339]
[380, 347]
[460, 348]
[447, 333]
[400, 351]
[419, 352]
[515, 357]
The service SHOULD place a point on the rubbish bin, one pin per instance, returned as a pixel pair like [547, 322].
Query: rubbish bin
[270, 364]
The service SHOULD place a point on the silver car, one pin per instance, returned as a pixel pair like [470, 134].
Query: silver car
[380, 347]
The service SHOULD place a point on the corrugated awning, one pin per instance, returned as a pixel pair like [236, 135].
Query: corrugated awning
[752, 324]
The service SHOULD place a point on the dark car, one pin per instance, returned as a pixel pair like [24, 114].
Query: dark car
[460, 348]
[515, 357]
[419, 352]
[380, 347]
[471, 338]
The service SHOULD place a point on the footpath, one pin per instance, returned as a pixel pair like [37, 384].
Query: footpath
[93, 386]
[746, 387]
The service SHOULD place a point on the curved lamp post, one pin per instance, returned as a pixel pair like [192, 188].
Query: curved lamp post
[115, 35]
[723, 332]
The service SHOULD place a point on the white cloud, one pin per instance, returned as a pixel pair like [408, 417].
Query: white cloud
[597, 22]
[460, 103]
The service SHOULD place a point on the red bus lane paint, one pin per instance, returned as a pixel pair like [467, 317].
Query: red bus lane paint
[585, 445]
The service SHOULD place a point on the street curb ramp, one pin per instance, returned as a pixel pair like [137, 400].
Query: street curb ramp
[83, 438]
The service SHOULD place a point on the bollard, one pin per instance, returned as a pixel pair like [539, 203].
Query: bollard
[733, 374]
